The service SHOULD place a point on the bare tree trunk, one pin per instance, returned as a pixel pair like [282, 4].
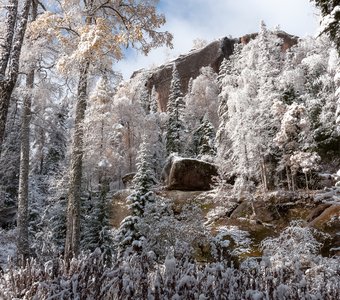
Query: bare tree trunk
[22, 219]
[306, 177]
[11, 64]
[288, 179]
[73, 206]
[264, 175]
[6, 46]
[293, 181]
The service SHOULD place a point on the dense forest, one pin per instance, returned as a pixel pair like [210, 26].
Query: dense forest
[220, 182]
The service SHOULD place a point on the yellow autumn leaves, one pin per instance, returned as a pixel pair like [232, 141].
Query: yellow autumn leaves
[97, 34]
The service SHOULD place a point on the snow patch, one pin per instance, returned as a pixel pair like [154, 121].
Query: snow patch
[228, 234]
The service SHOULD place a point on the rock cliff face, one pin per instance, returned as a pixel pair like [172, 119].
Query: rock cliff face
[188, 65]
[288, 40]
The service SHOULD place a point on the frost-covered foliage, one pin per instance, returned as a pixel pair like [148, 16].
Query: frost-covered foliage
[184, 232]
[96, 230]
[277, 110]
[175, 124]
[230, 241]
[295, 245]
[99, 141]
[47, 241]
[144, 178]
[201, 99]
[140, 277]
[129, 238]
[330, 11]
[248, 91]
[202, 143]
[7, 246]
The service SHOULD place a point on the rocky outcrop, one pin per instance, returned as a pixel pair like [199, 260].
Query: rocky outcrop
[190, 175]
[189, 66]
[287, 39]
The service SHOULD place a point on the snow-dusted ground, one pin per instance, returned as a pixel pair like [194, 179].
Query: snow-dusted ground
[228, 234]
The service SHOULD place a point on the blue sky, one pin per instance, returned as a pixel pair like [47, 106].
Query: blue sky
[209, 20]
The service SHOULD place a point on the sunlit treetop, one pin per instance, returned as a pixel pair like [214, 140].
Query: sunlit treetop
[98, 30]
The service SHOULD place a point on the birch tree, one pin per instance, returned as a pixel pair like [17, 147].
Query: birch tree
[91, 35]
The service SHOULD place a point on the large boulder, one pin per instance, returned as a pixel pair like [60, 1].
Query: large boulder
[187, 174]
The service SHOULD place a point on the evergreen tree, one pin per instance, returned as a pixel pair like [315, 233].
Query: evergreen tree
[56, 149]
[175, 126]
[145, 99]
[330, 22]
[153, 101]
[206, 141]
[96, 230]
[129, 234]
[144, 178]
[203, 140]
[247, 125]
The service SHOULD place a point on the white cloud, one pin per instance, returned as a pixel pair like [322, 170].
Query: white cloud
[212, 19]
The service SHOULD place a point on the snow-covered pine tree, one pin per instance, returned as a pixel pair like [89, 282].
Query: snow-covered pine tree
[56, 148]
[206, 142]
[203, 140]
[153, 101]
[175, 106]
[144, 178]
[129, 234]
[96, 232]
[330, 22]
[145, 99]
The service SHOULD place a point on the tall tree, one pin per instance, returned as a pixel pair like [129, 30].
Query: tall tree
[22, 219]
[91, 34]
[330, 22]
[175, 108]
[9, 57]
[129, 233]
[144, 178]
[330, 25]
[248, 91]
